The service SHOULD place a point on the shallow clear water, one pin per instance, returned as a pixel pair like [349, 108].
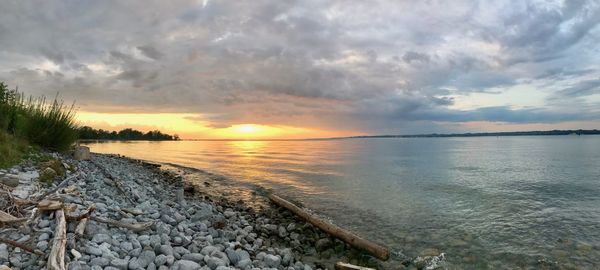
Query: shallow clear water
[486, 202]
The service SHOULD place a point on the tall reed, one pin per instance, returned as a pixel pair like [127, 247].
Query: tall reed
[47, 124]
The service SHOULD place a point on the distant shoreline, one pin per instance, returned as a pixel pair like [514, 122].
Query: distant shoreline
[493, 134]
[436, 135]
[431, 135]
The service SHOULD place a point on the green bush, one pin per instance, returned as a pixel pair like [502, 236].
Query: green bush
[49, 125]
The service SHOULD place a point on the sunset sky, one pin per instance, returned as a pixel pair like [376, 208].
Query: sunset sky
[295, 69]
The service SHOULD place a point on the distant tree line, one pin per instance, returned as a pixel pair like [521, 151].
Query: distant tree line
[89, 133]
[495, 134]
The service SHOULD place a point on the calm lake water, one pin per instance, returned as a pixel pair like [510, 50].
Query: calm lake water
[486, 202]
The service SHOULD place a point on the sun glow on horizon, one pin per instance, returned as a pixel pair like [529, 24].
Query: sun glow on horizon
[187, 126]
[255, 131]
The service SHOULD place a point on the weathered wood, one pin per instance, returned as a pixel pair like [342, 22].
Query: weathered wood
[91, 208]
[56, 259]
[6, 218]
[46, 205]
[133, 211]
[80, 230]
[347, 266]
[21, 246]
[352, 239]
[134, 227]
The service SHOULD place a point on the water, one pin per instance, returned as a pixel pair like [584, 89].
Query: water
[507, 202]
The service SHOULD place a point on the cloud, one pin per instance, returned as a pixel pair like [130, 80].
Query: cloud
[580, 89]
[150, 52]
[336, 64]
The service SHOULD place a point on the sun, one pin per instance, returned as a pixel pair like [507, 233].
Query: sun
[249, 131]
[247, 128]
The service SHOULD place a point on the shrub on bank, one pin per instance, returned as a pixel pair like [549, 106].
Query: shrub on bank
[47, 124]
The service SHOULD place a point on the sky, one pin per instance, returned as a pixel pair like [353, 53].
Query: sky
[296, 69]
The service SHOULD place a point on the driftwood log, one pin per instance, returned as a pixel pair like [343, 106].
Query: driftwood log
[347, 266]
[352, 239]
[56, 259]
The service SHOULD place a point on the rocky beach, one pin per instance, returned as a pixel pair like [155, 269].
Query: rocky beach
[137, 215]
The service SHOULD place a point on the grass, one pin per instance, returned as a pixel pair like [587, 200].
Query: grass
[12, 150]
[47, 124]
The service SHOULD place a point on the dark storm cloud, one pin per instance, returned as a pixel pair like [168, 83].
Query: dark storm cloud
[337, 63]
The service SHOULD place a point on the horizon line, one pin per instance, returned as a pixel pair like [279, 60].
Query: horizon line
[553, 132]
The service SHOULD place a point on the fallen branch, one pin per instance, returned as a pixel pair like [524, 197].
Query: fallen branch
[21, 246]
[354, 240]
[134, 227]
[56, 259]
[347, 266]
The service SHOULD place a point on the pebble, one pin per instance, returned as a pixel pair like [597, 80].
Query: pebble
[209, 250]
[170, 259]
[244, 263]
[42, 245]
[100, 261]
[195, 257]
[145, 258]
[77, 266]
[76, 254]
[126, 246]
[44, 236]
[233, 256]
[161, 259]
[185, 265]
[101, 238]
[3, 252]
[120, 263]
[272, 260]
[93, 251]
[165, 249]
[213, 262]
[323, 244]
